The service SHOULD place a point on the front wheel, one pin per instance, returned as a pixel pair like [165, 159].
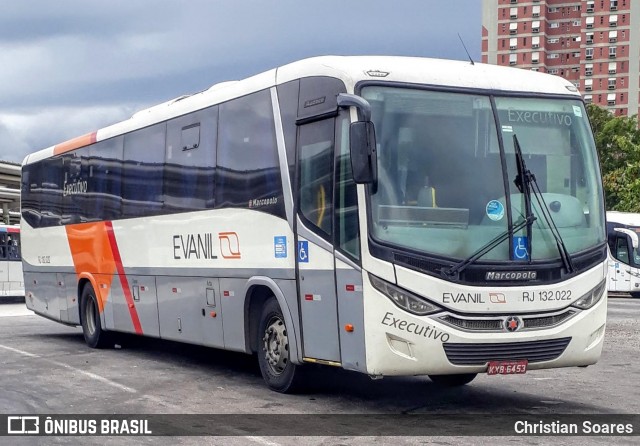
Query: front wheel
[278, 371]
[94, 335]
[453, 380]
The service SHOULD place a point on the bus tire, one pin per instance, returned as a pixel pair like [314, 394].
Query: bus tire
[453, 380]
[277, 370]
[94, 335]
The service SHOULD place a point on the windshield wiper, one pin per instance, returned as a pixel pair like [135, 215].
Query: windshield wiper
[456, 269]
[526, 183]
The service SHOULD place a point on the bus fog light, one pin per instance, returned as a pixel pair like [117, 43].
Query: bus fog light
[591, 298]
[403, 298]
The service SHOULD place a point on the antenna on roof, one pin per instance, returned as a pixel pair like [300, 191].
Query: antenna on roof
[465, 49]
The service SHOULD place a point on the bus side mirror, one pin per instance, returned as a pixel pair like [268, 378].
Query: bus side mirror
[364, 159]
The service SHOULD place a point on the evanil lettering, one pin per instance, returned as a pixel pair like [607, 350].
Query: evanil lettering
[536, 117]
[193, 246]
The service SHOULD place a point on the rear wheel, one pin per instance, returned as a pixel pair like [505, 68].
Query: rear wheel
[94, 335]
[453, 380]
[278, 371]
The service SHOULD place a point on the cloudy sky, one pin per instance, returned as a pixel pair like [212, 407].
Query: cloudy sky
[69, 67]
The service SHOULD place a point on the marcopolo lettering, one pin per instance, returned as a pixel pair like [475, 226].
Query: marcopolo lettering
[511, 275]
[412, 327]
[537, 117]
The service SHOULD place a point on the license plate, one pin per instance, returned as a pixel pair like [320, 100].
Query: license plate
[507, 367]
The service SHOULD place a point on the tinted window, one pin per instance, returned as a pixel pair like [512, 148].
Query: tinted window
[316, 173]
[105, 180]
[190, 161]
[143, 171]
[9, 244]
[248, 173]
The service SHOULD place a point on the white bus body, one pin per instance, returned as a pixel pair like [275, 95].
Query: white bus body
[231, 219]
[624, 254]
[11, 280]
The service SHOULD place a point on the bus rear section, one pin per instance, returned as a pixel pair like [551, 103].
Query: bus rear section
[623, 229]
[11, 278]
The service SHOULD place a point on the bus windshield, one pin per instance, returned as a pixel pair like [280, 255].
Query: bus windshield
[447, 173]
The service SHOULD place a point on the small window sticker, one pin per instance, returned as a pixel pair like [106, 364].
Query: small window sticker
[280, 246]
[507, 128]
[577, 111]
[495, 210]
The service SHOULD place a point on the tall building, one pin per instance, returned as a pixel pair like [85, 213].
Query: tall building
[593, 43]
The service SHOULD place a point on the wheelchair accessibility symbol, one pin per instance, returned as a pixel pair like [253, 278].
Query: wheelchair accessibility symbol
[520, 248]
[303, 252]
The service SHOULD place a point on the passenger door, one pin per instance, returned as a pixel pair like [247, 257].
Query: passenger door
[315, 260]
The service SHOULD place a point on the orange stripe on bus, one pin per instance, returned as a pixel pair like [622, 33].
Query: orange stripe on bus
[123, 278]
[91, 252]
[75, 143]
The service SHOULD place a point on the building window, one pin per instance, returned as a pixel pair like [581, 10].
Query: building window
[535, 26]
[536, 11]
[611, 99]
[588, 98]
[535, 57]
[513, 59]
[577, 22]
[513, 43]
[611, 83]
[588, 69]
[613, 36]
[554, 25]
[554, 56]
[613, 20]
[588, 84]
[589, 53]
[590, 6]
[513, 28]
[589, 38]
[612, 68]
[590, 21]
[612, 52]
[535, 42]
[614, 5]
[513, 13]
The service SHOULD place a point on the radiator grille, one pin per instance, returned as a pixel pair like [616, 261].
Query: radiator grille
[479, 354]
[497, 324]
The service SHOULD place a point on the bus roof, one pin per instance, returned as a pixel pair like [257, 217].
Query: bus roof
[623, 218]
[350, 69]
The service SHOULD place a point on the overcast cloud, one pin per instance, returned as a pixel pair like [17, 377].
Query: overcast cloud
[68, 67]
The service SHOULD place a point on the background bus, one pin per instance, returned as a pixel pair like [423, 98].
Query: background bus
[624, 253]
[284, 215]
[11, 279]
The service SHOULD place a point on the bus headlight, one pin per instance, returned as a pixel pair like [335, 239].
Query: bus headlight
[591, 298]
[403, 298]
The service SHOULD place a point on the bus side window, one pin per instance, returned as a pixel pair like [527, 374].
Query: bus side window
[622, 251]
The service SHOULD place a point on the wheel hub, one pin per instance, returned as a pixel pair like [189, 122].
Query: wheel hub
[276, 345]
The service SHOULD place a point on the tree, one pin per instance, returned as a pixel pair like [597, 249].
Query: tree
[618, 143]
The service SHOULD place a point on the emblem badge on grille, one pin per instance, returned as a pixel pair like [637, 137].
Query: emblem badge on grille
[512, 323]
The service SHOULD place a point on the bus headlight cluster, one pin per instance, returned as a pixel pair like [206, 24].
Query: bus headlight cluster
[403, 298]
[591, 298]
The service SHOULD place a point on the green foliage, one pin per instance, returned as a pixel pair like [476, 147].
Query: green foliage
[618, 144]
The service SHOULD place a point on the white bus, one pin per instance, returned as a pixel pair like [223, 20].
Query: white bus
[624, 253]
[387, 215]
[11, 280]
